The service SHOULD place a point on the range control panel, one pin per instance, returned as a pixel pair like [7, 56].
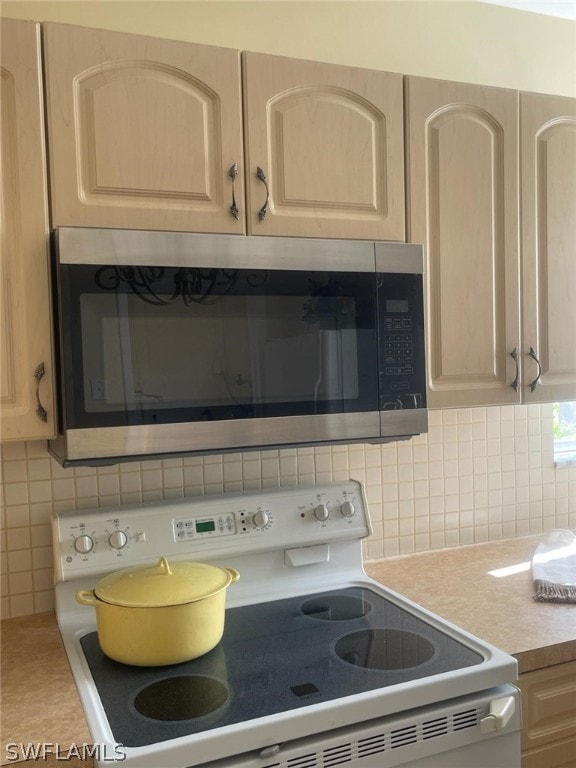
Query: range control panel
[96, 541]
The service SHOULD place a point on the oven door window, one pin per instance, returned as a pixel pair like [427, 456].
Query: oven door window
[161, 344]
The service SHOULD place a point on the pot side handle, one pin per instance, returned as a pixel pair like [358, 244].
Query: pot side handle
[233, 573]
[87, 597]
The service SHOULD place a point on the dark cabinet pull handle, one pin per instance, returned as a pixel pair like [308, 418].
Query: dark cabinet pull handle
[233, 172]
[41, 412]
[264, 210]
[534, 384]
[514, 356]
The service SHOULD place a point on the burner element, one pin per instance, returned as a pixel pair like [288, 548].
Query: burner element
[181, 698]
[336, 608]
[385, 649]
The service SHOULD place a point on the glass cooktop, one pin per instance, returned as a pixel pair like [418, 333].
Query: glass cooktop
[274, 657]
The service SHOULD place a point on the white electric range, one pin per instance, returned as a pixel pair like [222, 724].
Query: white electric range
[319, 665]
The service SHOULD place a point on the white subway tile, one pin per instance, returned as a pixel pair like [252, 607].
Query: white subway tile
[15, 471]
[130, 482]
[108, 485]
[20, 583]
[86, 486]
[17, 538]
[41, 536]
[16, 517]
[15, 494]
[493, 431]
[44, 602]
[21, 605]
[13, 452]
[173, 476]
[63, 489]
[39, 469]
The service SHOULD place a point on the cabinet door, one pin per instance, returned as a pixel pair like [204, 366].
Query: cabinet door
[329, 141]
[26, 366]
[548, 178]
[463, 200]
[549, 716]
[142, 132]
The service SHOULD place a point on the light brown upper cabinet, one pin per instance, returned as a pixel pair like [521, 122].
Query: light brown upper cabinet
[324, 149]
[462, 145]
[26, 366]
[548, 212]
[144, 133]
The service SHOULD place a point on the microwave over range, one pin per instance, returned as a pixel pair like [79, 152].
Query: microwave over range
[173, 343]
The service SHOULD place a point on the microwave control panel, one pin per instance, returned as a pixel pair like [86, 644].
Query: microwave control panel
[398, 346]
[401, 342]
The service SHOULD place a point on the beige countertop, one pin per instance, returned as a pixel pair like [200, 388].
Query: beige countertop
[40, 704]
[487, 590]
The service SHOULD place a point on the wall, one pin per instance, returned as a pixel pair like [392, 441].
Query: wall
[479, 474]
[468, 41]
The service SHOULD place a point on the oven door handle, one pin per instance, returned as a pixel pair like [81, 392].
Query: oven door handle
[501, 711]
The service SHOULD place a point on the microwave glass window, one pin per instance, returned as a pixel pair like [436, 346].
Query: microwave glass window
[238, 350]
[237, 345]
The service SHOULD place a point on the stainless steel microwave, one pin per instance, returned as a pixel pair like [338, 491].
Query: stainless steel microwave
[173, 343]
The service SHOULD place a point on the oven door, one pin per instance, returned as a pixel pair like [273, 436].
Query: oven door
[215, 343]
[451, 734]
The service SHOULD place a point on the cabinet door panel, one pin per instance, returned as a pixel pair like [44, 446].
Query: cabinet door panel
[142, 131]
[463, 207]
[549, 243]
[329, 140]
[26, 400]
[549, 707]
[109, 101]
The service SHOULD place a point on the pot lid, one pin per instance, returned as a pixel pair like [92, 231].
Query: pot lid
[164, 584]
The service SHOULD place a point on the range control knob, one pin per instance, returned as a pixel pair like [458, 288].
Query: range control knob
[260, 518]
[84, 544]
[321, 512]
[117, 539]
[347, 509]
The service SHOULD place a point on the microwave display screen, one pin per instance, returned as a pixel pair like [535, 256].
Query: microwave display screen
[397, 306]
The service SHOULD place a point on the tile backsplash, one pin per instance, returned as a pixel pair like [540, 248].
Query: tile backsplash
[480, 474]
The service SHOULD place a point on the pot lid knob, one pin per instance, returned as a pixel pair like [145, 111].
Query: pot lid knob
[164, 566]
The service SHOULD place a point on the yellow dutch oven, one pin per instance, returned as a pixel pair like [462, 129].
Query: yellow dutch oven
[160, 614]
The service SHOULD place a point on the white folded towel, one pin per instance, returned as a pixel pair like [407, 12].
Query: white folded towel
[554, 568]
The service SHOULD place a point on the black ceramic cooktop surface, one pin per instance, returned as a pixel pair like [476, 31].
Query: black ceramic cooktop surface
[274, 657]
